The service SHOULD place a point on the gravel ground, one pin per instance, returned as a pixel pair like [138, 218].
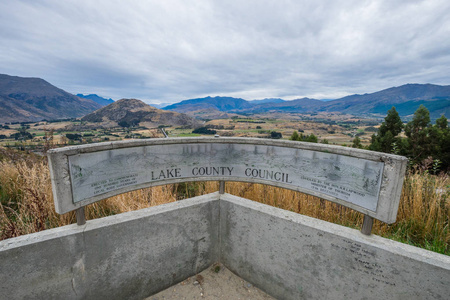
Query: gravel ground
[216, 282]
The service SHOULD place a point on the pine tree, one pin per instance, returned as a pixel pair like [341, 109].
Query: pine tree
[304, 138]
[441, 134]
[388, 132]
[419, 143]
[442, 123]
[311, 138]
[295, 136]
[357, 143]
[392, 123]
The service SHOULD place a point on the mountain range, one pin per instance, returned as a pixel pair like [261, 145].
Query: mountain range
[34, 99]
[406, 98]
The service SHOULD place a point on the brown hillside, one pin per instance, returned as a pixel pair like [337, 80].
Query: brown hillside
[134, 111]
[34, 99]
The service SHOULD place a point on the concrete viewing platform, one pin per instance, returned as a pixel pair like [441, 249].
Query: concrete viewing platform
[138, 254]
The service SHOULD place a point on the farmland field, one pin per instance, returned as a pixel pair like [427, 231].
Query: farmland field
[335, 129]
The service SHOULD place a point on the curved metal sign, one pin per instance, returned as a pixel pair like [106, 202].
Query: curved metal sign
[369, 182]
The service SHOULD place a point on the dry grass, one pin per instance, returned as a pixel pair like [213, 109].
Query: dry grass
[424, 213]
[296, 202]
[27, 203]
[422, 220]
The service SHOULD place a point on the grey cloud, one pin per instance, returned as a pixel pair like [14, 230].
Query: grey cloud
[173, 50]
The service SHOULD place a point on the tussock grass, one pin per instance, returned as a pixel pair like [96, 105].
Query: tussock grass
[424, 213]
[422, 220]
[26, 203]
[26, 199]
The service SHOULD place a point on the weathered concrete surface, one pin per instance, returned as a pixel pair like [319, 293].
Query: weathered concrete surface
[212, 284]
[127, 256]
[291, 256]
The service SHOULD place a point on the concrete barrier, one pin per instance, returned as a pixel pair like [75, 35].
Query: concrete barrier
[290, 256]
[127, 256]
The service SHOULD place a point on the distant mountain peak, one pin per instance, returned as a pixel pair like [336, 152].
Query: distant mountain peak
[219, 103]
[94, 97]
[406, 99]
[34, 99]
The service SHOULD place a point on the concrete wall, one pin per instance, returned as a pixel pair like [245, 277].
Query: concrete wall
[127, 256]
[291, 256]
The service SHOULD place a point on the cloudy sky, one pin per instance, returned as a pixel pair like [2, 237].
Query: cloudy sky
[168, 50]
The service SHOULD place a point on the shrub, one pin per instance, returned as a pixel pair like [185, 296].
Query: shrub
[204, 130]
[73, 136]
[275, 135]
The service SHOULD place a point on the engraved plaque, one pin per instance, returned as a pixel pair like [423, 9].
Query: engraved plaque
[347, 178]
[359, 179]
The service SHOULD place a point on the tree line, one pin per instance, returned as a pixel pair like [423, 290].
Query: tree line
[426, 145]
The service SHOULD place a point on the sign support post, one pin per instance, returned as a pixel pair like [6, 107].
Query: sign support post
[221, 187]
[81, 217]
[367, 225]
